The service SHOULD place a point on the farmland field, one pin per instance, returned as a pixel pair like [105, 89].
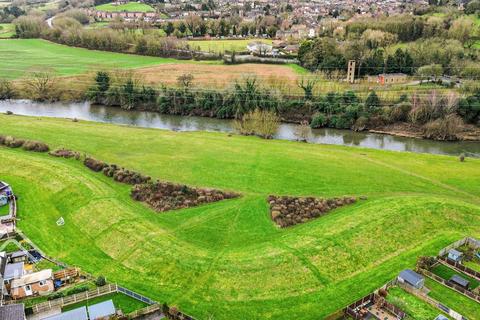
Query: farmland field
[130, 7]
[228, 259]
[21, 56]
[220, 46]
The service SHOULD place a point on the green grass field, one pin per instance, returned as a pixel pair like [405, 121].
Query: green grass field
[220, 46]
[414, 307]
[130, 7]
[22, 56]
[7, 30]
[120, 301]
[446, 273]
[228, 259]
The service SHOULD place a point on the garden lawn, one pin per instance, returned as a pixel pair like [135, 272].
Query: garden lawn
[220, 46]
[453, 299]
[227, 259]
[414, 307]
[20, 56]
[129, 7]
[474, 265]
[120, 301]
[446, 273]
[7, 30]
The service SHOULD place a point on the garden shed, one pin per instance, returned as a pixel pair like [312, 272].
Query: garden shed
[459, 281]
[412, 278]
[455, 255]
[102, 310]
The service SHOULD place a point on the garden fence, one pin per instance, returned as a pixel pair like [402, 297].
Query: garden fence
[455, 315]
[74, 298]
[460, 267]
[470, 241]
[451, 285]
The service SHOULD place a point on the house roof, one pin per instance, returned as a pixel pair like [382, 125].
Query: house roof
[12, 312]
[32, 278]
[459, 280]
[13, 270]
[411, 276]
[455, 252]
[101, 310]
[75, 314]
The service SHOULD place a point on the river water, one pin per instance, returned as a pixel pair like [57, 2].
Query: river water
[85, 111]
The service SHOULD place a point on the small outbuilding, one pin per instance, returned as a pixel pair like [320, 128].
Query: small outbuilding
[75, 314]
[3, 200]
[102, 310]
[12, 312]
[412, 278]
[455, 255]
[459, 281]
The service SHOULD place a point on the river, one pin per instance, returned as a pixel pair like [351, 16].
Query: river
[85, 111]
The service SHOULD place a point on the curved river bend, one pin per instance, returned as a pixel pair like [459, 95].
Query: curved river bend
[85, 111]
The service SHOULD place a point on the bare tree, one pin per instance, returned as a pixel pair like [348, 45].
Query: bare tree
[303, 131]
[40, 85]
[185, 80]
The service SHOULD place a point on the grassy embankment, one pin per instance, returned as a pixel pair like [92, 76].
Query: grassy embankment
[228, 259]
[7, 30]
[127, 7]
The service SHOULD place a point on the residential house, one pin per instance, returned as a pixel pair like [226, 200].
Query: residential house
[37, 283]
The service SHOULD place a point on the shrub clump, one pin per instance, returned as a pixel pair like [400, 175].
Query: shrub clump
[165, 196]
[64, 153]
[36, 146]
[94, 164]
[288, 211]
[11, 142]
[124, 175]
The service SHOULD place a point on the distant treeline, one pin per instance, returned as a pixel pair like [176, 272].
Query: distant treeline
[403, 44]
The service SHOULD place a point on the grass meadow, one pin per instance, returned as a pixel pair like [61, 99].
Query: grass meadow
[220, 46]
[227, 259]
[127, 7]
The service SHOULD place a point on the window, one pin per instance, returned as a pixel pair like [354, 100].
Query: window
[42, 283]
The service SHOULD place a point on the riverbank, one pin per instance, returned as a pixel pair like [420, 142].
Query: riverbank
[408, 130]
[286, 131]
